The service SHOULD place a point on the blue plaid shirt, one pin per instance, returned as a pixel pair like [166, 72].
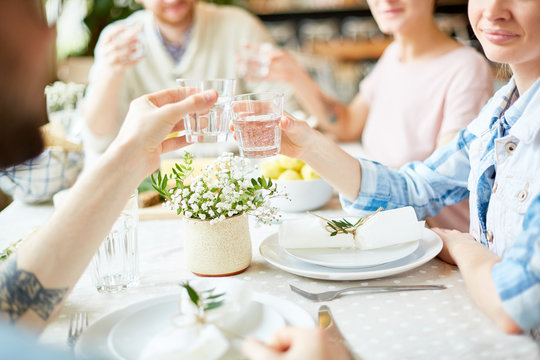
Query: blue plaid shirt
[495, 162]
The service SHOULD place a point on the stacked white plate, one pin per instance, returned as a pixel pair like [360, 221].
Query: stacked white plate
[124, 334]
[350, 263]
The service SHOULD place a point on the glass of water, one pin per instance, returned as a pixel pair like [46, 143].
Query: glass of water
[115, 266]
[256, 123]
[212, 126]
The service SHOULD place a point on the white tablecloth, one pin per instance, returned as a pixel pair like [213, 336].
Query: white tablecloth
[410, 325]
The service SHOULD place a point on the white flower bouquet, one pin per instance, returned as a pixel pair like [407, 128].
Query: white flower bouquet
[63, 96]
[224, 189]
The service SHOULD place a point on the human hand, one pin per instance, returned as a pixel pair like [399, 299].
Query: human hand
[257, 62]
[296, 136]
[122, 47]
[451, 238]
[152, 117]
[296, 344]
[282, 67]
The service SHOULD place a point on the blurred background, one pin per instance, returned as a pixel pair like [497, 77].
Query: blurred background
[336, 40]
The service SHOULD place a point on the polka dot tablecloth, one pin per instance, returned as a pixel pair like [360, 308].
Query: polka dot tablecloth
[440, 324]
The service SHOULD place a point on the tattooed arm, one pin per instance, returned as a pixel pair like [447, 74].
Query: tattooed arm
[21, 291]
[46, 266]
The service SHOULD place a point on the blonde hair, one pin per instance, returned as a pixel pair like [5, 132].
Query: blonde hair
[503, 72]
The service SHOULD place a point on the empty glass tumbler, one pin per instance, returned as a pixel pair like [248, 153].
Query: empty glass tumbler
[212, 126]
[115, 266]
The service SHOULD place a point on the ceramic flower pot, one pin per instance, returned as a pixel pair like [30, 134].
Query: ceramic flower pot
[220, 249]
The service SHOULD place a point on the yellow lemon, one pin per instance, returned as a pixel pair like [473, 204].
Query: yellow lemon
[290, 175]
[308, 173]
[271, 169]
[172, 135]
[290, 163]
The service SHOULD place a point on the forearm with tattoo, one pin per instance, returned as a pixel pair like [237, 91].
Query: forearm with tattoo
[21, 291]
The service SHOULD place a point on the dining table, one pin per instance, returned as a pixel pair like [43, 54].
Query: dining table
[434, 324]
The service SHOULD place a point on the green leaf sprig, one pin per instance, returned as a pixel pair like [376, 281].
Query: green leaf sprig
[6, 253]
[180, 173]
[344, 226]
[205, 300]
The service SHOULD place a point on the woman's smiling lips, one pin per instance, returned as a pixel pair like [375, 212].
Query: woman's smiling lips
[391, 12]
[498, 36]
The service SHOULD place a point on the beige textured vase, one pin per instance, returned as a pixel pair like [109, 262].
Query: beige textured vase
[219, 249]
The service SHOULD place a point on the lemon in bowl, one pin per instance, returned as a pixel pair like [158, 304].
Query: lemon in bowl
[302, 189]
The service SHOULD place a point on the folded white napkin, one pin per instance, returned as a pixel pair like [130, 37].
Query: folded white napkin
[183, 338]
[385, 228]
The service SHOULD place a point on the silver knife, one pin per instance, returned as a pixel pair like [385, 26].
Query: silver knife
[326, 322]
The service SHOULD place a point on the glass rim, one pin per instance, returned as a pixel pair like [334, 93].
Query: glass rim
[271, 95]
[204, 80]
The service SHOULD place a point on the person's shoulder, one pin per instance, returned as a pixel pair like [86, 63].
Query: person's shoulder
[392, 50]
[485, 119]
[464, 63]
[467, 55]
[390, 54]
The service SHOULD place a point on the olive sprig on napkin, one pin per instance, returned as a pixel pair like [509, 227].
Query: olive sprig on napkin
[204, 300]
[344, 226]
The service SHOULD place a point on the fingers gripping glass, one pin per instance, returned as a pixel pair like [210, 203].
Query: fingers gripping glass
[212, 126]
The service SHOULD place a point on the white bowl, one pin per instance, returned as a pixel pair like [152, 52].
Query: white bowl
[302, 195]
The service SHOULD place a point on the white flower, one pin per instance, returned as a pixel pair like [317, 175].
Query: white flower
[223, 190]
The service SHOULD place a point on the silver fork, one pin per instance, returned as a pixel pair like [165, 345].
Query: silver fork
[77, 323]
[330, 295]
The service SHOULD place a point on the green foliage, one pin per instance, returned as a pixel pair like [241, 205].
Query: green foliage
[206, 300]
[103, 12]
[6, 253]
[343, 226]
[224, 189]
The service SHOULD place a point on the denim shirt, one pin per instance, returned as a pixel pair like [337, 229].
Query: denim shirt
[495, 162]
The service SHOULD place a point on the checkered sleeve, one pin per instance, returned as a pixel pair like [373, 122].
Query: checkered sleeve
[517, 275]
[427, 186]
[38, 179]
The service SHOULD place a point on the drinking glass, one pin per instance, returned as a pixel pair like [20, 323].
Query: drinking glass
[212, 126]
[254, 61]
[115, 266]
[132, 37]
[256, 123]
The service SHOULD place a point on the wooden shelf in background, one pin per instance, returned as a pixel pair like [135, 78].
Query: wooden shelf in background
[349, 50]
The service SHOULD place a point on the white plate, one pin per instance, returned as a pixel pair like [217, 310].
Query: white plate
[131, 335]
[354, 258]
[430, 245]
[94, 342]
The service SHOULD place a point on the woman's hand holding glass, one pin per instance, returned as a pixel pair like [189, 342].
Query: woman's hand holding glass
[296, 136]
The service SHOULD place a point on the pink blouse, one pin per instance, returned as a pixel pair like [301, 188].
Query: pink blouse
[412, 105]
